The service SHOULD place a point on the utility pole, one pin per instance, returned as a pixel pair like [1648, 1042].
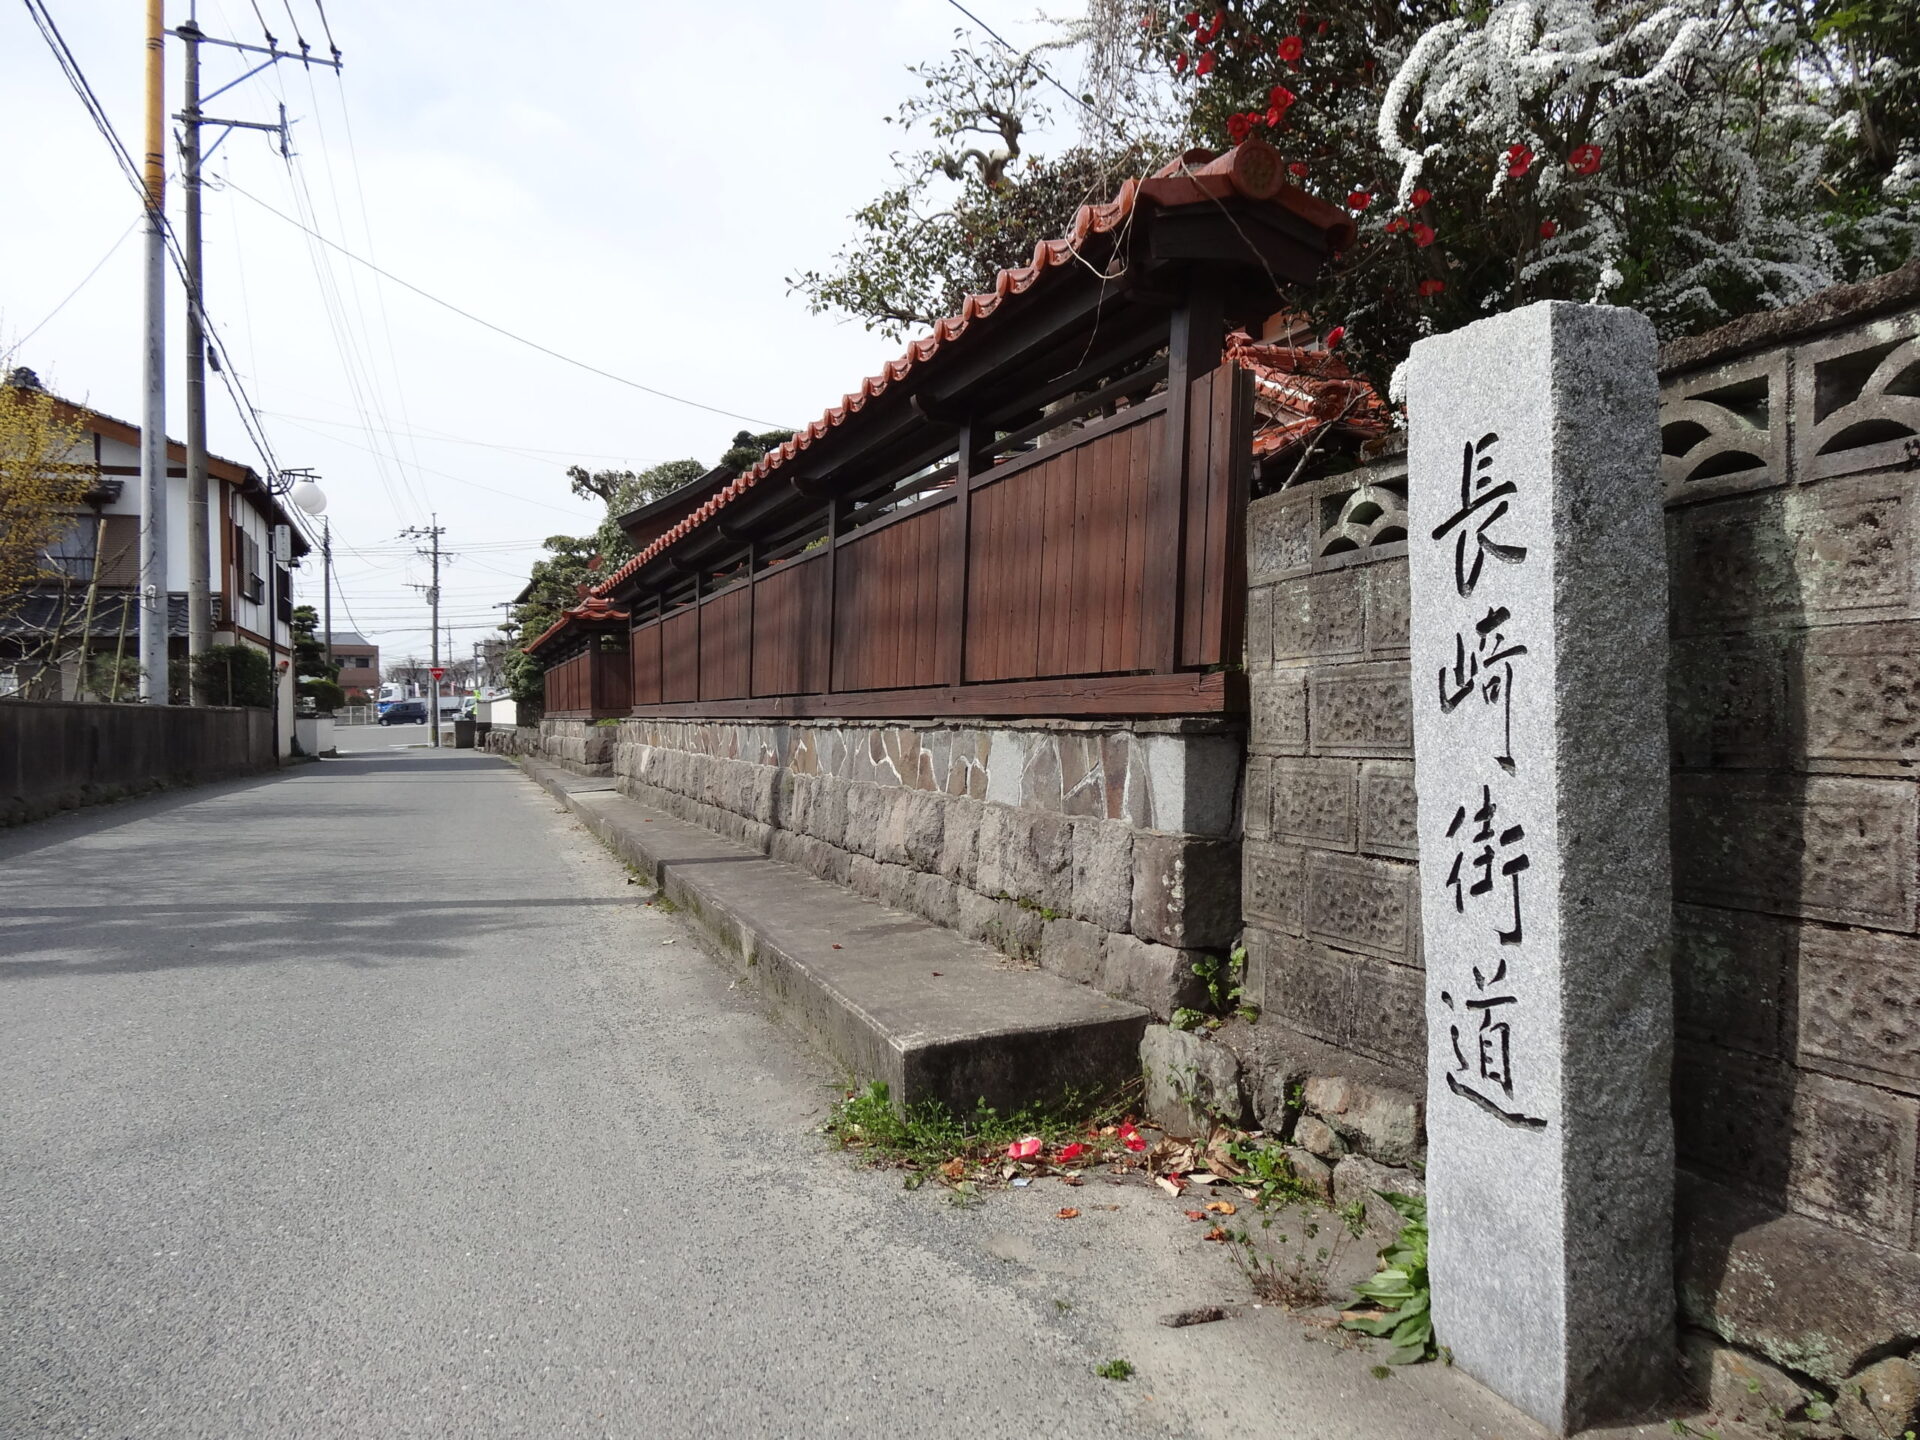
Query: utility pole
[153, 423]
[432, 533]
[191, 118]
[326, 571]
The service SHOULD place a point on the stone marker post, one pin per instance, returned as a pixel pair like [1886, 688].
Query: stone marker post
[1539, 686]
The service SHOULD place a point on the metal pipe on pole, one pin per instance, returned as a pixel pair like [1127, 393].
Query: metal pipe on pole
[199, 558]
[153, 424]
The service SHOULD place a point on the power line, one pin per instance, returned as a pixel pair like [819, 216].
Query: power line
[1045, 73]
[500, 329]
[111, 251]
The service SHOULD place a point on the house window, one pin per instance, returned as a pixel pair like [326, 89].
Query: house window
[72, 553]
[248, 580]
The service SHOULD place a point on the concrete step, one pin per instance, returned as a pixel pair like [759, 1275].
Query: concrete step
[889, 995]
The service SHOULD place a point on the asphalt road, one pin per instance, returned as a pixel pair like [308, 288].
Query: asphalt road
[370, 1100]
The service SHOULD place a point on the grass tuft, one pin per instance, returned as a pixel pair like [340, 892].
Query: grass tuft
[929, 1135]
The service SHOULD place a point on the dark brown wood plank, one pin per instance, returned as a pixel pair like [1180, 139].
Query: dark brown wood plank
[1194, 535]
[1210, 692]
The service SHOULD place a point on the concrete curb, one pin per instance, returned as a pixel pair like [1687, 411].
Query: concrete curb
[890, 996]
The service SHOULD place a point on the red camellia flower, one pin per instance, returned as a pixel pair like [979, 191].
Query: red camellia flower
[1396, 225]
[1180, 64]
[1237, 128]
[1430, 288]
[1219, 19]
[1292, 48]
[1423, 235]
[1279, 97]
[1026, 1149]
[1206, 64]
[1548, 229]
[1133, 1140]
[1071, 1152]
[1299, 169]
[1193, 19]
[1335, 336]
[1585, 159]
[1421, 197]
[1359, 200]
[1519, 160]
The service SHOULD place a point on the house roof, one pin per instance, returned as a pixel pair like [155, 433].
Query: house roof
[591, 609]
[1253, 171]
[347, 637]
[1301, 393]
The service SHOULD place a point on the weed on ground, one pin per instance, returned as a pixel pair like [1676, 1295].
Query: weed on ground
[986, 1146]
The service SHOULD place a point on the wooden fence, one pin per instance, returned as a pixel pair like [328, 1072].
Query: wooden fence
[592, 681]
[1099, 573]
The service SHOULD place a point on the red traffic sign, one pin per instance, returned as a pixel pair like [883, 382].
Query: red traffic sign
[437, 673]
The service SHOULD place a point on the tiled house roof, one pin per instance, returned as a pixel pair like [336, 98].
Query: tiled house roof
[1300, 393]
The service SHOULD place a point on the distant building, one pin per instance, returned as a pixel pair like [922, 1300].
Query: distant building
[85, 608]
[359, 661]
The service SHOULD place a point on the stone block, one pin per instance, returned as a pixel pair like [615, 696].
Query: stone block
[925, 827]
[1730, 973]
[1311, 1171]
[933, 896]
[1278, 701]
[1819, 846]
[1388, 810]
[1859, 690]
[1881, 1400]
[1026, 855]
[1006, 765]
[1281, 533]
[1193, 782]
[1359, 903]
[1005, 926]
[959, 841]
[1859, 1005]
[1389, 609]
[1384, 1124]
[1186, 892]
[1074, 949]
[866, 876]
[1739, 1386]
[1807, 1296]
[1313, 802]
[1192, 1083]
[763, 788]
[1157, 976]
[866, 813]
[1362, 710]
[1320, 617]
[1317, 1137]
[1358, 1178]
[1273, 883]
[1103, 873]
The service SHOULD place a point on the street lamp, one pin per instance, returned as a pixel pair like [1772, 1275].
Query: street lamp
[307, 495]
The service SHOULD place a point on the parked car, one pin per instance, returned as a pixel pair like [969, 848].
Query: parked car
[405, 712]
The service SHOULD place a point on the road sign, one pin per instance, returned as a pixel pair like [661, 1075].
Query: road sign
[437, 673]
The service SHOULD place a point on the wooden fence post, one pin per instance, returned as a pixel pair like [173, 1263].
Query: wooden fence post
[962, 549]
[1193, 349]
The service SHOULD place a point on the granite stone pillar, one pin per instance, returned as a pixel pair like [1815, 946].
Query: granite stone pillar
[1539, 648]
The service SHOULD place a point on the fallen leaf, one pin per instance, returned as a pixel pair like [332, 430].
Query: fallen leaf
[1222, 1207]
[1246, 1194]
[936, 974]
[1068, 1213]
[1196, 1214]
[954, 1168]
[1172, 1187]
[836, 947]
[1071, 1180]
[1110, 1130]
[1203, 1315]
[1218, 1234]
[1204, 1177]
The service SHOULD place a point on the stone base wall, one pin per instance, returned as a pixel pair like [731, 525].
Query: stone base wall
[585, 746]
[1105, 852]
[512, 740]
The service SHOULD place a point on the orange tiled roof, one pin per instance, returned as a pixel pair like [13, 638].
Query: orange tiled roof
[593, 607]
[1298, 393]
[1253, 169]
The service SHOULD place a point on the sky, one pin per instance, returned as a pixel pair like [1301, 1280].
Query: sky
[627, 184]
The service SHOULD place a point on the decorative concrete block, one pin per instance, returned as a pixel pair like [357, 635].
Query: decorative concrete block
[1860, 693]
[1307, 985]
[1320, 617]
[1730, 972]
[1259, 649]
[1362, 710]
[1156, 976]
[1727, 701]
[1358, 903]
[1281, 533]
[1278, 699]
[1388, 809]
[1388, 1015]
[1186, 892]
[1273, 883]
[1389, 609]
[1819, 846]
[1192, 1083]
[1383, 1123]
[1074, 950]
[1312, 802]
[1859, 1005]
[1538, 648]
[1103, 873]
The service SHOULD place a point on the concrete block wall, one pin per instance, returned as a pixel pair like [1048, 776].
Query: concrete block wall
[1105, 852]
[1792, 472]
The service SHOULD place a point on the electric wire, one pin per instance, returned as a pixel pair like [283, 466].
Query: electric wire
[112, 250]
[500, 329]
